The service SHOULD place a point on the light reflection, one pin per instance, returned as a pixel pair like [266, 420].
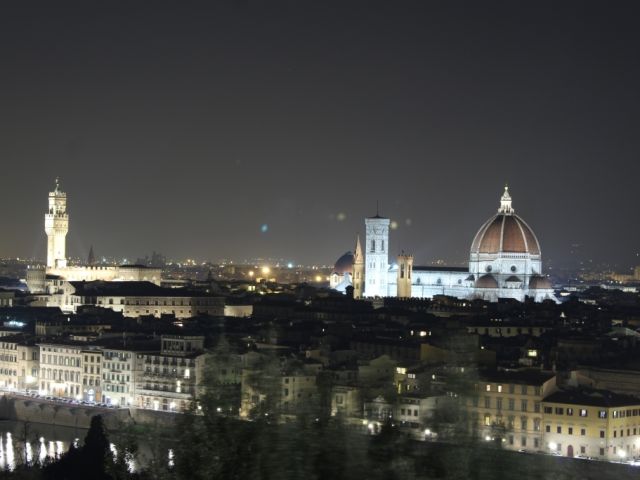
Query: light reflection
[11, 459]
[42, 453]
[28, 452]
[54, 449]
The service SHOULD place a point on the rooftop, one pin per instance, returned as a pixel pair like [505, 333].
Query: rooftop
[592, 397]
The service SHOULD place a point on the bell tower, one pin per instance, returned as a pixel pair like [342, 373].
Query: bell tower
[56, 226]
[405, 267]
[376, 256]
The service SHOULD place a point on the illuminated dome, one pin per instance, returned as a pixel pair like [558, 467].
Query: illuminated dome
[344, 264]
[505, 247]
[505, 232]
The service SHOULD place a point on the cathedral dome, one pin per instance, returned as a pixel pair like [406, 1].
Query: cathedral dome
[344, 264]
[505, 232]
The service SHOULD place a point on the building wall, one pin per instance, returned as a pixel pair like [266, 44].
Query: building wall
[376, 250]
[598, 432]
[61, 370]
[92, 375]
[509, 412]
[118, 376]
[18, 365]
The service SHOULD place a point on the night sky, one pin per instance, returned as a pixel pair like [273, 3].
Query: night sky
[186, 128]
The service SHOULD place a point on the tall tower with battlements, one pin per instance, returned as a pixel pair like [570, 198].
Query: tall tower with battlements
[56, 226]
[376, 256]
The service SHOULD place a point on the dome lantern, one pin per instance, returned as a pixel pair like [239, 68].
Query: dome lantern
[505, 202]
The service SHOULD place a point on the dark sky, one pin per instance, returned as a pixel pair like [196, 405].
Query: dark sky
[184, 127]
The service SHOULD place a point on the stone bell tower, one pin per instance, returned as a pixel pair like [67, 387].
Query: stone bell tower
[56, 226]
[405, 267]
[376, 256]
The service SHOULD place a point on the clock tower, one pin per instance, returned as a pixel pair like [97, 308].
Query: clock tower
[56, 226]
[376, 256]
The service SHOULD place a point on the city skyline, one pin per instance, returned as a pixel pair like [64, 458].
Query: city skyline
[237, 131]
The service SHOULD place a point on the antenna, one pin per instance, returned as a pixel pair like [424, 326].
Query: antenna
[377, 208]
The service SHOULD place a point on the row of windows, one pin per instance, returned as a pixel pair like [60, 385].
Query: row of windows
[60, 375]
[615, 432]
[116, 366]
[511, 404]
[69, 390]
[524, 422]
[408, 411]
[61, 360]
[116, 377]
[117, 388]
[569, 431]
[524, 389]
[582, 412]
[523, 441]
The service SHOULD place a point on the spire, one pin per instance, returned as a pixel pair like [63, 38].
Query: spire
[357, 255]
[57, 189]
[91, 260]
[505, 202]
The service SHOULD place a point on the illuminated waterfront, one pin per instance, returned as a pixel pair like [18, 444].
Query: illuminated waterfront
[24, 442]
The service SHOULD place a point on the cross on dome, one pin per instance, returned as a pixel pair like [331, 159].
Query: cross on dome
[505, 202]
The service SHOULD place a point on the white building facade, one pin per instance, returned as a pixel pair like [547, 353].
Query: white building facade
[505, 261]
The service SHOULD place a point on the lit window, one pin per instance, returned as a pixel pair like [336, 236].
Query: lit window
[499, 388]
[583, 412]
[488, 387]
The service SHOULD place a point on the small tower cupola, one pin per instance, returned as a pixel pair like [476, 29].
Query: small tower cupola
[505, 202]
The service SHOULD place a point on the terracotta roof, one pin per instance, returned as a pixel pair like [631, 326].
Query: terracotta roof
[539, 282]
[487, 281]
[505, 233]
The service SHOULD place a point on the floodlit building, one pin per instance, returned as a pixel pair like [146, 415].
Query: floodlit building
[134, 299]
[56, 225]
[18, 363]
[505, 261]
[119, 376]
[507, 408]
[169, 379]
[592, 423]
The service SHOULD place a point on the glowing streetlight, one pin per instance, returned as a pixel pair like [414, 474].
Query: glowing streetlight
[266, 270]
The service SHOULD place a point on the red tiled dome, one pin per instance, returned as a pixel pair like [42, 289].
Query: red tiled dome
[505, 233]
